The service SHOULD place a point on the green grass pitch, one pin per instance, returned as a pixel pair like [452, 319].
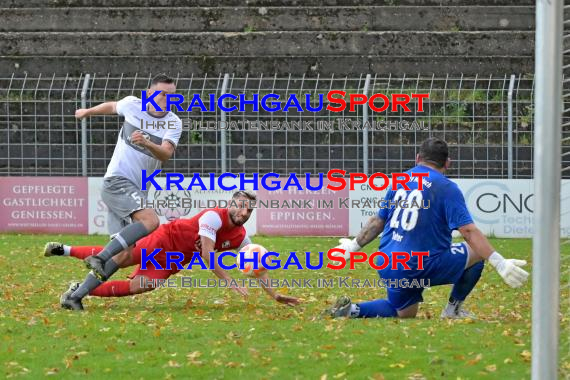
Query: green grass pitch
[212, 333]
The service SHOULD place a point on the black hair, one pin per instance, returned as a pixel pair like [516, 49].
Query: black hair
[161, 78]
[434, 151]
[246, 193]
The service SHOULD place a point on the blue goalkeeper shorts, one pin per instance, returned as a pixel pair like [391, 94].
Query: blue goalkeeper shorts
[443, 269]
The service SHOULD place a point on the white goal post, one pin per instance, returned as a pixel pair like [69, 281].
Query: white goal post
[547, 179]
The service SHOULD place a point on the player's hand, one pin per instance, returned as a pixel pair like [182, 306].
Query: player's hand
[291, 301]
[239, 290]
[139, 138]
[348, 245]
[509, 270]
[81, 113]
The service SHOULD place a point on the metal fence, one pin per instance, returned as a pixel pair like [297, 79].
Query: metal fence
[488, 122]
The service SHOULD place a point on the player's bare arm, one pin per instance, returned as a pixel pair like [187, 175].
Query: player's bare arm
[161, 152]
[107, 108]
[508, 269]
[477, 241]
[287, 300]
[207, 247]
[369, 232]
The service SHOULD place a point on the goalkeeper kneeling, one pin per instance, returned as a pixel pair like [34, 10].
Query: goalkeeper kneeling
[427, 229]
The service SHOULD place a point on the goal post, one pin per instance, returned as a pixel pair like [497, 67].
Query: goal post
[547, 181]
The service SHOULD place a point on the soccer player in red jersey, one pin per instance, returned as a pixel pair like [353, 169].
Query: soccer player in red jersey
[211, 230]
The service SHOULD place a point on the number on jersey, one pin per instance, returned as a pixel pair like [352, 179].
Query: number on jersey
[407, 217]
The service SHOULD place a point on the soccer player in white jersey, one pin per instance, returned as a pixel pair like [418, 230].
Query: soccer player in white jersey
[136, 150]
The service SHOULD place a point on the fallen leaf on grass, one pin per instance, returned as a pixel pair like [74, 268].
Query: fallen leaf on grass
[476, 360]
[526, 355]
[52, 371]
[173, 364]
[110, 349]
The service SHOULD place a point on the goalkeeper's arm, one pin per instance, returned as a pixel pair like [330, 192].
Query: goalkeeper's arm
[369, 232]
[107, 108]
[508, 269]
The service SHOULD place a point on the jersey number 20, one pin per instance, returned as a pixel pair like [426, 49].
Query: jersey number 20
[407, 216]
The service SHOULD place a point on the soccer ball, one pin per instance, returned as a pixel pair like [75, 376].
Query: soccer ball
[248, 251]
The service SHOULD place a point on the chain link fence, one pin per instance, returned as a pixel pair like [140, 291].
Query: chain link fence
[488, 122]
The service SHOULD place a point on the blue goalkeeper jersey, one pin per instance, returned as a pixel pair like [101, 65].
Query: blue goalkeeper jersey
[423, 229]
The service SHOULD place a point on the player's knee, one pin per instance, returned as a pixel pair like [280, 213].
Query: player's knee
[153, 223]
[409, 312]
[478, 266]
[148, 218]
[468, 247]
[472, 256]
[139, 290]
[124, 259]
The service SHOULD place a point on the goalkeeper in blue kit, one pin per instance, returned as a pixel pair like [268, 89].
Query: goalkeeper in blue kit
[427, 229]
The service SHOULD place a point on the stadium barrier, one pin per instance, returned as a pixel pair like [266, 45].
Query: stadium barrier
[501, 208]
[487, 120]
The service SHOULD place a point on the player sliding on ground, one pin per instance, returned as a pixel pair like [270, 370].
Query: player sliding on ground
[211, 230]
[136, 150]
[415, 229]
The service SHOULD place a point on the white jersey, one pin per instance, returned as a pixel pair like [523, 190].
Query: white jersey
[129, 159]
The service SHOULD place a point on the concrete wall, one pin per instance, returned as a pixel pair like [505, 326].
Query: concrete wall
[320, 36]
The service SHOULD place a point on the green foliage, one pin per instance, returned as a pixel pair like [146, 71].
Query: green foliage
[498, 96]
[195, 137]
[457, 110]
[526, 119]
[524, 139]
[455, 28]
[25, 96]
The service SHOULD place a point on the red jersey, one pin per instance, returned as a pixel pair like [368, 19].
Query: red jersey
[182, 235]
[212, 223]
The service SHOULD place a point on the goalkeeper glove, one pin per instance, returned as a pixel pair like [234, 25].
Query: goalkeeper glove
[509, 269]
[348, 246]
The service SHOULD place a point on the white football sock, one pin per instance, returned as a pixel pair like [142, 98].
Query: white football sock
[354, 310]
[453, 307]
[66, 250]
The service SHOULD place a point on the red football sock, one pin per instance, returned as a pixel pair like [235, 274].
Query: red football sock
[112, 289]
[85, 251]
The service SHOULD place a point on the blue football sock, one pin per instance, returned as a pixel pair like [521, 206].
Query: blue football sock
[467, 282]
[381, 308]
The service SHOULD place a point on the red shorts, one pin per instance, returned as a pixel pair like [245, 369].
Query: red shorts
[157, 239]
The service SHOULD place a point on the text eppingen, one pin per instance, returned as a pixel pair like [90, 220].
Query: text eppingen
[298, 204]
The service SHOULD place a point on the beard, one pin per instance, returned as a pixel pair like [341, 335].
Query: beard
[236, 222]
